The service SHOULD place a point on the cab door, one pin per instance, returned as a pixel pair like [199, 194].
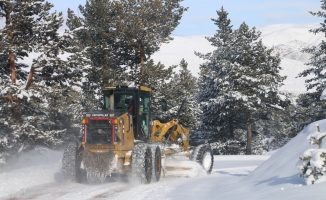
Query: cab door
[143, 126]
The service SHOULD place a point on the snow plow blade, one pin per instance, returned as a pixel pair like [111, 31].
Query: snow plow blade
[181, 167]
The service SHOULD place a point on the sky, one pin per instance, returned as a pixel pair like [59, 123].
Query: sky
[197, 20]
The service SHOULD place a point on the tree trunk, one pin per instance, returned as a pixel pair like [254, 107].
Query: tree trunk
[30, 78]
[231, 134]
[249, 136]
[12, 65]
[142, 58]
[142, 62]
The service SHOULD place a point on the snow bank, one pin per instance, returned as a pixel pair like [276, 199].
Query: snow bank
[276, 178]
[280, 171]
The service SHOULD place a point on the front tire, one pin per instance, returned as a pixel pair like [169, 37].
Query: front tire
[203, 154]
[157, 164]
[142, 163]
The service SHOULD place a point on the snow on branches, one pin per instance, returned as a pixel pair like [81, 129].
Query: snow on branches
[313, 161]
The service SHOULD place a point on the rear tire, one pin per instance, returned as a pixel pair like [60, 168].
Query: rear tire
[69, 162]
[142, 163]
[157, 163]
[203, 154]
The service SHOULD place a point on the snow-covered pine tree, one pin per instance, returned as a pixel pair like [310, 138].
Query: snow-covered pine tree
[218, 121]
[187, 86]
[158, 77]
[83, 47]
[273, 129]
[138, 28]
[144, 25]
[242, 80]
[259, 79]
[183, 87]
[173, 87]
[312, 163]
[119, 35]
[98, 32]
[25, 112]
[315, 73]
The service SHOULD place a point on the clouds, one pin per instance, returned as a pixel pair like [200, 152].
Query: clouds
[289, 11]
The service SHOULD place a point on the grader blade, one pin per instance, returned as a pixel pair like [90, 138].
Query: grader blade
[181, 167]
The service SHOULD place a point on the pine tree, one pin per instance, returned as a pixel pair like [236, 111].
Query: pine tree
[315, 73]
[184, 88]
[26, 116]
[210, 82]
[173, 87]
[243, 80]
[316, 63]
[127, 32]
[145, 25]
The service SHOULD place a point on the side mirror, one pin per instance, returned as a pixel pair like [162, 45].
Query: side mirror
[164, 105]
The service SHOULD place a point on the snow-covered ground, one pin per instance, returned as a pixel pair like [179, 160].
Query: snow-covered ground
[38, 175]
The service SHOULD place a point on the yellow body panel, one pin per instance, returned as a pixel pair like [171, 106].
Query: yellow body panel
[144, 88]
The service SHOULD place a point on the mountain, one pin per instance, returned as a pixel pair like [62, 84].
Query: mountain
[292, 50]
[287, 39]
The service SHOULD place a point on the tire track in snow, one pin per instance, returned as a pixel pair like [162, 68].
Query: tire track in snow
[109, 194]
[235, 171]
[68, 190]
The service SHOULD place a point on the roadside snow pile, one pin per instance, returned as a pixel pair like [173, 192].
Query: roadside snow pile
[279, 172]
[313, 161]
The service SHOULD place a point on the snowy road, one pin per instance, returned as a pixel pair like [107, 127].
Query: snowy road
[37, 175]
[44, 181]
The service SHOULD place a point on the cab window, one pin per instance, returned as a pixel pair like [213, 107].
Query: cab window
[123, 101]
[144, 114]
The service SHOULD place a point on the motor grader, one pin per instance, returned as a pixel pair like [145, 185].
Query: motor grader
[125, 139]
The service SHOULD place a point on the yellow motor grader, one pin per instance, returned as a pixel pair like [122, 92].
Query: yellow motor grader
[124, 138]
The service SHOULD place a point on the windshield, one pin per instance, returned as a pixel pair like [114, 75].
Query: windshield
[120, 100]
[123, 100]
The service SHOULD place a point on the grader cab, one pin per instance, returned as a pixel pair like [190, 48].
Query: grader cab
[124, 138]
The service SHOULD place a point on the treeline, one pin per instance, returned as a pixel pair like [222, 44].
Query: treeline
[234, 103]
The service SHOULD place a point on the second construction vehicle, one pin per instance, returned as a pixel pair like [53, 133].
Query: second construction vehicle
[124, 138]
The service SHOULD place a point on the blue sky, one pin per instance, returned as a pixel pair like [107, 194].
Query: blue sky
[196, 21]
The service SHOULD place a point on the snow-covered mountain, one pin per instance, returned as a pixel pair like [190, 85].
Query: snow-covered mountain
[287, 39]
[292, 50]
